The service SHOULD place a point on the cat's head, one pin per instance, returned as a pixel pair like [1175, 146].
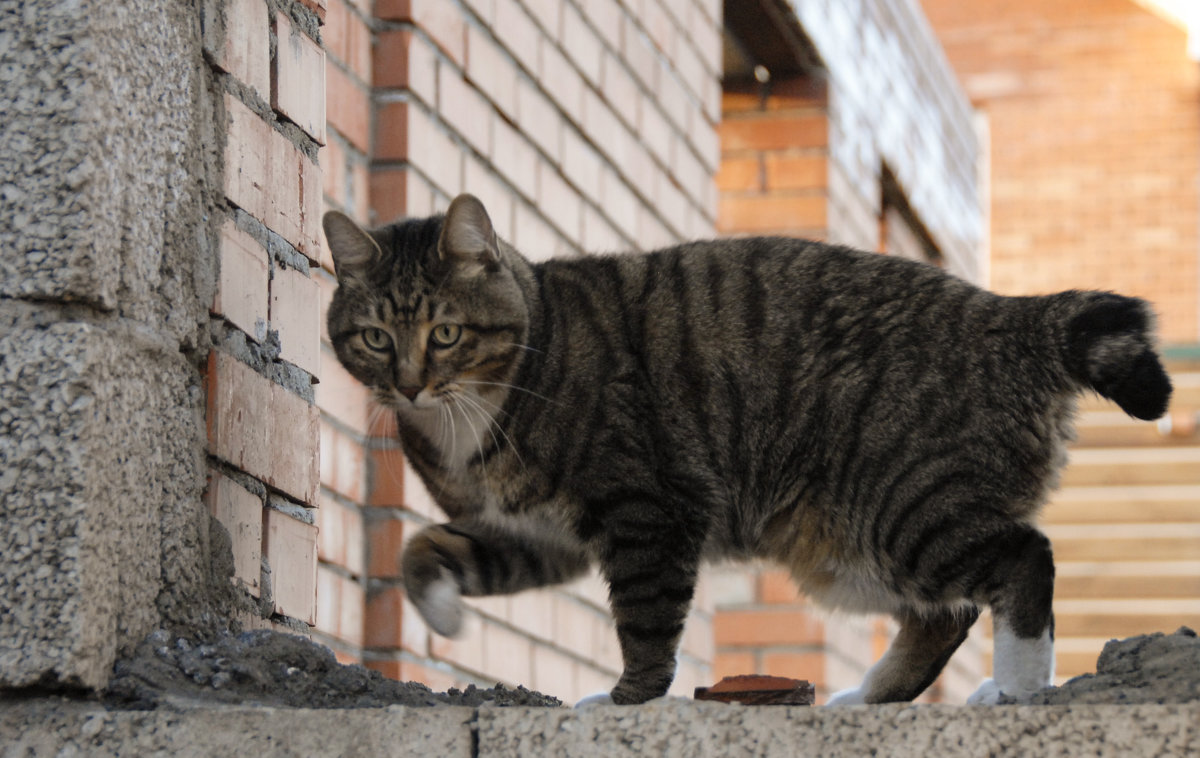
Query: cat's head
[428, 312]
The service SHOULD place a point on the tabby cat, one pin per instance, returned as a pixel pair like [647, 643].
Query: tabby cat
[885, 431]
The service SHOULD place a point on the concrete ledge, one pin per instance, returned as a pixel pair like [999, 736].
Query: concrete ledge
[53, 726]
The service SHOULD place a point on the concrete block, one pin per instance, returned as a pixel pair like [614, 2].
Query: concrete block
[100, 453]
[700, 730]
[53, 727]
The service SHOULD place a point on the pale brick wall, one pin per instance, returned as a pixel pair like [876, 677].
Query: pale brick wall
[261, 418]
[582, 126]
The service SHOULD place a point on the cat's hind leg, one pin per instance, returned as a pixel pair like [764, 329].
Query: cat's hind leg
[1020, 591]
[445, 561]
[914, 660]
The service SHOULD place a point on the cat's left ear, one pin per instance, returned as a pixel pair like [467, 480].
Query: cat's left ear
[468, 238]
[354, 251]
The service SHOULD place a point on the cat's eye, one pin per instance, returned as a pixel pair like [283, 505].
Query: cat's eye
[376, 339]
[445, 335]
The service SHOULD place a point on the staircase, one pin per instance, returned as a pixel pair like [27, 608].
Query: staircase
[1126, 526]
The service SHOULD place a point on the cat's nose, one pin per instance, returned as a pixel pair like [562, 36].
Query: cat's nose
[410, 392]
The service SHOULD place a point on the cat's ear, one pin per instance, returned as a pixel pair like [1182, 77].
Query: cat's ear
[354, 251]
[468, 238]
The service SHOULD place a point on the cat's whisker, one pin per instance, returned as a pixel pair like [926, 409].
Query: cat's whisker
[508, 386]
[493, 427]
[529, 348]
[462, 408]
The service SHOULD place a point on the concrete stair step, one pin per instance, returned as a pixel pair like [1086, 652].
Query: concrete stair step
[1132, 465]
[1147, 503]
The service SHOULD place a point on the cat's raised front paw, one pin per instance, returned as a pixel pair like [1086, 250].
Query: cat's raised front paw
[440, 604]
[988, 694]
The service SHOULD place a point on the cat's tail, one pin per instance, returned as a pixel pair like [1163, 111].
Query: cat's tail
[1110, 348]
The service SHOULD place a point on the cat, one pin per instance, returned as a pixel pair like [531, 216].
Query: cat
[884, 430]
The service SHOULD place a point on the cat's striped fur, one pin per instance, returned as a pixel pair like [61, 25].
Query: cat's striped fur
[884, 430]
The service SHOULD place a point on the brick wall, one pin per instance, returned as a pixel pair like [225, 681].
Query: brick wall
[1094, 121]
[582, 126]
[261, 419]
[877, 151]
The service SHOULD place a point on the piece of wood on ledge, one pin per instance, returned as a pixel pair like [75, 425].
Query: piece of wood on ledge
[754, 689]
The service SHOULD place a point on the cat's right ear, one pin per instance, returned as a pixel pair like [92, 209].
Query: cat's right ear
[354, 251]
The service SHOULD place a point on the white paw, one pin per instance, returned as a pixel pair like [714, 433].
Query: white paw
[988, 694]
[599, 698]
[441, 606]
[851, 696]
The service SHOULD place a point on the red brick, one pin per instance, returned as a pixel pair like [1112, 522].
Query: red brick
[242, 289]
[298, 79]
[787, 172]
[295, 315]
[775, 133]
[389, 193]
[405, 61]
[768, 627]
[385, 538]
[347, 106]
[384, 615]
[272, 180]
[387, 477]
[244, 50]
[240, 512]
[340, 536]
[442, 21]
[290, 548]
[772, 213]
[348, 38]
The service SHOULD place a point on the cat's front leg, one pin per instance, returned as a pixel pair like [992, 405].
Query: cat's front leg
[651, 572]
[441, 563]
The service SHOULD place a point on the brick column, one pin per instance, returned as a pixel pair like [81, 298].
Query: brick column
[262, 421]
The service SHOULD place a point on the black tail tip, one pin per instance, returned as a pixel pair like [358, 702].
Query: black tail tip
[1143, 390]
